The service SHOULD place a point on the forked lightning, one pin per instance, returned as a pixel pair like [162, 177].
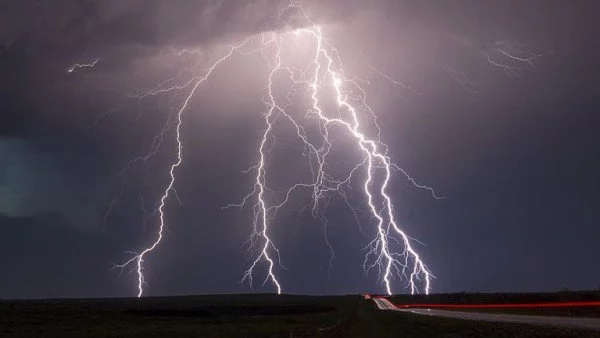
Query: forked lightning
[391, 251]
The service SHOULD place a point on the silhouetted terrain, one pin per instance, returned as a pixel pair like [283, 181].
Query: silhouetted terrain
[258, 315]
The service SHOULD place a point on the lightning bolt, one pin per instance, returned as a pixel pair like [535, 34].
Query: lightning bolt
[391, 250]
[387, 226]
[194, 84]
[462, 79]
[390, 262]
[513, 54]
[83, 65]
[507, 56]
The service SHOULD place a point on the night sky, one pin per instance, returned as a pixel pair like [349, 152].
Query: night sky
[517, 156]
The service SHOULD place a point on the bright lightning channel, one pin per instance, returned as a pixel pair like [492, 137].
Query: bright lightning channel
[138, 258]
[325, 71]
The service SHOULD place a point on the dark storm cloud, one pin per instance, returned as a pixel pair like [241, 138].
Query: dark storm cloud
[84, 28]
[50, 112]
[152, 22]
[42, 38]
[44, 256]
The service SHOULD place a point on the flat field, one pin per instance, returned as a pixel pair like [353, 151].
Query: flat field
[256, 315]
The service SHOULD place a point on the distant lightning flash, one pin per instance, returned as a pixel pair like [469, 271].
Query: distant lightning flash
[83, 65]
[391, 250]
[506, 55]
[513, 54]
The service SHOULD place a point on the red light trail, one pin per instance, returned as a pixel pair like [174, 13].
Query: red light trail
[501, 305]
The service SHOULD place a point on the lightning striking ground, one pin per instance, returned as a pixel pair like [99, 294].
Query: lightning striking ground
[138, 258]
[391, 251]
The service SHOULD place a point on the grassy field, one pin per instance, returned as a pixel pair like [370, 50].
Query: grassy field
[512, 298]
[241, 316]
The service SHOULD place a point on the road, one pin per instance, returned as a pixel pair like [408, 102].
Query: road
[574, 322]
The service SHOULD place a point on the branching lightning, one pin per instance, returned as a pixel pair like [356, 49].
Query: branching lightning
[511, 53]
[391, 262]
[507, 56]
[391, 251]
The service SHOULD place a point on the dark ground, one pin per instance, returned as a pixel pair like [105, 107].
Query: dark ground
[241, 316]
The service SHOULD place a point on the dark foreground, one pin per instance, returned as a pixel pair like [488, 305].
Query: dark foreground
[242, 316]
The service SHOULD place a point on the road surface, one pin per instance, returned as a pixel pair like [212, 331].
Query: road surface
[574, 322]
